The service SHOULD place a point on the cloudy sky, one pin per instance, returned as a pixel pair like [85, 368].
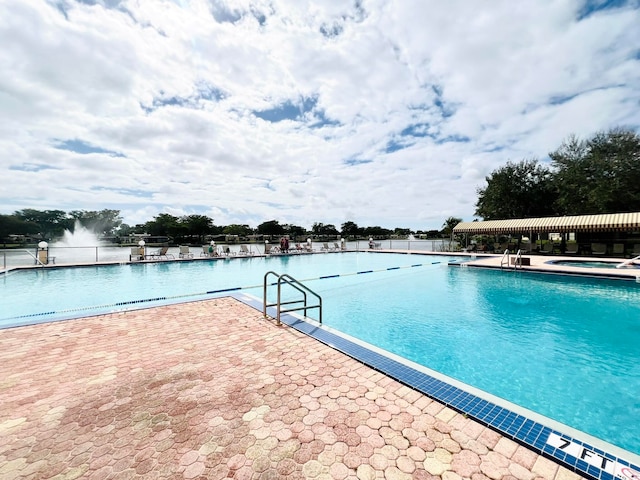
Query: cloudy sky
[380, 112]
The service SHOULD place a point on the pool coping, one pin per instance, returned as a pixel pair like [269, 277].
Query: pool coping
[570, 448]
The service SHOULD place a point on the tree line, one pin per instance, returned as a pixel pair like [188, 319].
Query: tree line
[108, 224]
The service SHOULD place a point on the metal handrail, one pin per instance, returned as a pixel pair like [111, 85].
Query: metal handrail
[626, 263]
[502, 260]
[35, 257]
[518, 260]
[289, 280]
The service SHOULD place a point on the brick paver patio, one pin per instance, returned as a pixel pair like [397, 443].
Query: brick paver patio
[209, 390]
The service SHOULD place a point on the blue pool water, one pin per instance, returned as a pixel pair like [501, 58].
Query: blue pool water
[564, 347]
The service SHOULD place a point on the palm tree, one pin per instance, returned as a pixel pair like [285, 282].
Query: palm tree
[449, 224]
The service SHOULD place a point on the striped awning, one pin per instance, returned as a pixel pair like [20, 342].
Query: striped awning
[614, 222]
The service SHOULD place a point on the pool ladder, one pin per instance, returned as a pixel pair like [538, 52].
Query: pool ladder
[506, 259]
[286, 279]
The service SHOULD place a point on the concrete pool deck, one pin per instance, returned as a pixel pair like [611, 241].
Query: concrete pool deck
[537, 263]
[210, 390]
[543, 263]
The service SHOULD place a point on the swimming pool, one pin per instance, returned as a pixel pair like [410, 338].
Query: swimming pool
[563, 347]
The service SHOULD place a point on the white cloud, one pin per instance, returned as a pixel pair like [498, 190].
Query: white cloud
[405, 107]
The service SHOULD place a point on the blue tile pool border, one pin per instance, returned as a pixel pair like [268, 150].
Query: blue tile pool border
[572, 453]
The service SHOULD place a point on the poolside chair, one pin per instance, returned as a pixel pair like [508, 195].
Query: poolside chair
[525, 247]
[209, 253]
[135, 254]
[163, 252]
[547, 248]
[325, 247]
[185, 252]
[336, 246]
[572, 248]
[294, 249]
[598, 248]
[271, 249]
[499, 247]
[244, 250]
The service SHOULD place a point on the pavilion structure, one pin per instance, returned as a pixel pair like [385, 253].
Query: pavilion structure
[619, 233]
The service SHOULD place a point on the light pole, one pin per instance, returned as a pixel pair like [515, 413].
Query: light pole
[43, 253]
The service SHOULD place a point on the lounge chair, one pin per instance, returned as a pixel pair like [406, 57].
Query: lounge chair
[244, 250]
[337, 246]
[598, 248]
[618, 249]
[325, 247]
[271, 249]
[294, 249]
[135, 254]
[500, 247]
[161, 253]
[209, 251]
[572, 248]
[185, 252]
[547, 248]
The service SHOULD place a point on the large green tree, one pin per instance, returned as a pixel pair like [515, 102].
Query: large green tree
[13, 225]
[402, 231]
[272, 227]
[236, 229]
[599, 175]
[350, 229]
[517, 190]
[376, 231]
[294, 231]
[51, 223]
[165, 224]
[197, 225]
[104, 222]
[319, 228]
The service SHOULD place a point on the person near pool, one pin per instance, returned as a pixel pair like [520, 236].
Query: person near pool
[284, 244]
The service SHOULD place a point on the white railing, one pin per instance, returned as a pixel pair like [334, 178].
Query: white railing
[518, 260]
[628, 263]
[505, 258]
